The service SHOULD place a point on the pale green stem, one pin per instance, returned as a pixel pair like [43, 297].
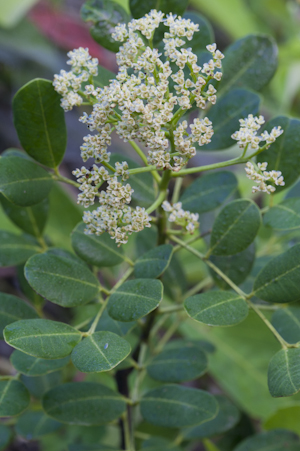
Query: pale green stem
[177, 188]
[122, 280]
[60, 178]
[157, 202]
[108, 166]
[141, 170]
[169, 309]
[144, 159]
[209, 167]
[168, 335]
[97, 318]
[127, 433]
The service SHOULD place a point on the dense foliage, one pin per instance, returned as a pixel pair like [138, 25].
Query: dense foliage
[151, 279]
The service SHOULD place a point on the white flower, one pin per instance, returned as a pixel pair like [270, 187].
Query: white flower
[181, 217]
[261, 176]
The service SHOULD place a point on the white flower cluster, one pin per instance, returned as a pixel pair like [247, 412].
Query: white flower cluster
[247, 134]
[261, 176]
[67, 84]
[181, 217]
[145, 101]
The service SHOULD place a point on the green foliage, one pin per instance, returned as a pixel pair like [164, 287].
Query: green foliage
[244, 63]
[14, 398]
[284, 216]
[85, 403]
[153, 264]
[35, 366]
[23, 182]
[33, 425]
[61, 278]
[209, 192]
[16, 249]
[287, 322]
[178, 364]
[217, 308]
[111, 340]
[13, 309]
[274, 439]
[101, 351]
[104, 15]
[42, 338]
[40, 122]
[135, 299]
[232, 106]
[177, 406]
[285, 153]
[283, 373]
[278, 280]
[31, 219]
[227, 417]
[235, 227]
[96, 250]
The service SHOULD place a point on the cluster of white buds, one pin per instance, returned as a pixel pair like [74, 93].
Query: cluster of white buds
[247, 134]
[181, 217]
[145, 101]
[261, 176]
[67, 84]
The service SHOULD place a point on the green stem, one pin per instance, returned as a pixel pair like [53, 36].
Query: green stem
[169, 309]
[60, 178]
[202, 284]
[141, 170]
[168, 335]
[97, 318]
[108, 166]
[157, 202]
[177, 188]
[144, 159]
[208, 167]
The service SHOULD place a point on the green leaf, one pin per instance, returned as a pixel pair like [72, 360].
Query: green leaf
[278, 281]
[23, 182]
[284, 154]
[33, 425]
[236, 267]
[142, 184]
[61, 278]
[101, 351]
[96, 250]
[154, 262]
[103, 78]
[13, 309]
[139, 9]
[288, 418]
[235, 227]
[16, 249]
[42, 338]
[105, 15]
[135, 299]
[106, 323]
[287, 322]
[14, 398]
[177, 365]
[85, 403]
[25, 288]
[277, 440]
[34, 366]
[177, 406]
[40, 122]
[284, 373]
[217, 308]
[159, 444]
[244, 63]
[62, 206]
[30, 219]
[227, 418]
[209, 191]
[39, 385]
[225, 115]
[5, 437]
[204, 36]
[284, 216]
